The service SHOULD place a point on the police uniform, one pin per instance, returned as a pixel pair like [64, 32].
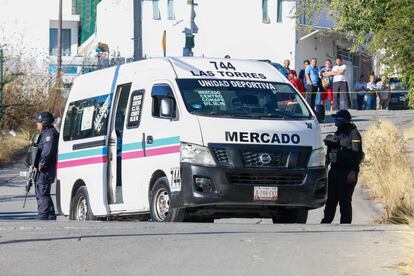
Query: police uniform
[46, 166]
[345, 155]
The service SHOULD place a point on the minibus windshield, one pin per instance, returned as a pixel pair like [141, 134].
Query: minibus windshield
[242, 99]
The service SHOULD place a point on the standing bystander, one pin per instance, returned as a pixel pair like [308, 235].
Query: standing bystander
[302, 76]
[341, 98]
[312, 81]
[371, 93]
[360, 87]
[384, 92]
[294, 80]
[327, 83]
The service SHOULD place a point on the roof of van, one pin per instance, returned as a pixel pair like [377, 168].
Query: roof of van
[233, 69]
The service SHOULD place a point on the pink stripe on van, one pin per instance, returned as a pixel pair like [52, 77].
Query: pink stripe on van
[162, 151]
[82, 162]
[151, 152]
[132, 155]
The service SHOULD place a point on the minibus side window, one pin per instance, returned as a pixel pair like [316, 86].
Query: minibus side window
[135, 108]
[86, 118]
[160, 91]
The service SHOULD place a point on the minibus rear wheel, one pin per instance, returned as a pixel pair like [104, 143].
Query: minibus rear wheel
[160, 208]
[80, 207]
[291, 215]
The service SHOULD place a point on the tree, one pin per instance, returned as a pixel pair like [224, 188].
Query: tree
[24, 87]
[380, 26]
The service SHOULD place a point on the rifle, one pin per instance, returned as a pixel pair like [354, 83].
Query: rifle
[31, 162]
[29, 183]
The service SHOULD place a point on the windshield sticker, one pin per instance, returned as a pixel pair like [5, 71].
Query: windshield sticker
[211, 98]
[87, 118]
[102, 114]
[236, 84]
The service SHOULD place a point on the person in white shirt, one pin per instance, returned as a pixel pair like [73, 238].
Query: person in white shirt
[384, 92]
[372, 89]
[360, 87]
[340, 86]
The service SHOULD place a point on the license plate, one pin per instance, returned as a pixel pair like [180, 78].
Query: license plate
[265, 193]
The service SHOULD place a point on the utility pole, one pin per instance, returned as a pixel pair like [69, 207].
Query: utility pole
[59, 46]
[1, 83]
[138, 53]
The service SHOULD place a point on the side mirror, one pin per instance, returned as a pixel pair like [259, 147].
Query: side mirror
[166, 108]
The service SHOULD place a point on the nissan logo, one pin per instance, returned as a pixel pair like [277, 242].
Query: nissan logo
[265, 158]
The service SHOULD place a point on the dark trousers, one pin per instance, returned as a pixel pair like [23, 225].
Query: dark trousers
[310, 95]
[45, 207]
[339, 191]
[371, 102]
[340, 93]
[360, 101]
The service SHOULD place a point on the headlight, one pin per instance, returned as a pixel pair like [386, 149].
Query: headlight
[195, 154]
[317, 158]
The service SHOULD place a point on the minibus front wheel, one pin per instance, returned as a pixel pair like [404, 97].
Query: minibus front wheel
[80, 206]
[160, 208]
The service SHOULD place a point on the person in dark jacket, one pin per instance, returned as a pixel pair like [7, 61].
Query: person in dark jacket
[46, 165]
[345, 155]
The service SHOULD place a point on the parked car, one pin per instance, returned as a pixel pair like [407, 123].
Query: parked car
[399, 94]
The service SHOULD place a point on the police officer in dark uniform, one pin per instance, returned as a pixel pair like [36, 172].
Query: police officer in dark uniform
[344, 154]
[46, 165]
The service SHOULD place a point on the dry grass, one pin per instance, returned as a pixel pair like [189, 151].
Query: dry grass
[389, 175]
[10, 146]
[409, 134]
[387, 171]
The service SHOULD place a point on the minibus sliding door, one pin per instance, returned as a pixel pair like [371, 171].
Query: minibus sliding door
[115, 144]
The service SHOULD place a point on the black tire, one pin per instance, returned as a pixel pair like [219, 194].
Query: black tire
[80, 208]
[293, 215]
[159, 200]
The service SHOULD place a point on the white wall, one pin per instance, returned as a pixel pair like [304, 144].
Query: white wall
[315, 46]
[114, 26]
[235, 28]
[230, 27]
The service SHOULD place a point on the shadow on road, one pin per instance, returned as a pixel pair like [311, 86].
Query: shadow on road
[18, 216]
[202, 233]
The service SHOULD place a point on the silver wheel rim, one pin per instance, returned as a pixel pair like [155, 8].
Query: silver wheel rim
[82, 209]
[162, 204]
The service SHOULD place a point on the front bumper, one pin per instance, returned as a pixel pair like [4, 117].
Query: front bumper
[309, 193]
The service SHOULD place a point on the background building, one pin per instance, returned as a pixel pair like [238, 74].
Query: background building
[28, 30]
[254, 29]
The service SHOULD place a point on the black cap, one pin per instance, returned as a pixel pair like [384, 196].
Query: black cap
[45, 118]
[343, 114]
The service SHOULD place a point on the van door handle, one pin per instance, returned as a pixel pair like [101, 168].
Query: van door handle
[150, 140]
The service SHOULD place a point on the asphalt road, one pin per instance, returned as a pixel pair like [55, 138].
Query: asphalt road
[227, 247]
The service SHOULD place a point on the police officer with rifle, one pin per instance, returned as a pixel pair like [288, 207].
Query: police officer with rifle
[43, 165]
[345, 155]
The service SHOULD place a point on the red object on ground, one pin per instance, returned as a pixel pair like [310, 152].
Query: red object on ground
[297, 84]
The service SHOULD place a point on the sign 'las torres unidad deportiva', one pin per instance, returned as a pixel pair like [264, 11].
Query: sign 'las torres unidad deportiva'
[227, 69]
